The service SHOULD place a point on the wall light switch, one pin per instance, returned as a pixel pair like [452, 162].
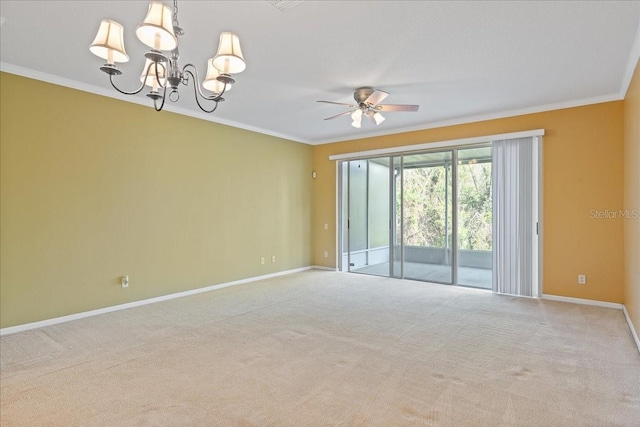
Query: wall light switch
[125, 281]
[326, 226]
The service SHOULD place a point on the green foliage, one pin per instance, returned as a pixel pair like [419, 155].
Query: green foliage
[474, 206]
[424, 206]
[428, 206]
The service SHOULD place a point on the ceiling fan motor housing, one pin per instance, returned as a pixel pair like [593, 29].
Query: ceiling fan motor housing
[361, 94]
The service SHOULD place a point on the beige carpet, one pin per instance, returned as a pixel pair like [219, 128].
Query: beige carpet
[322, 348]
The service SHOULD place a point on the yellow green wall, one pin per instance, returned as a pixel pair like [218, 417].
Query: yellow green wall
[94, 188]
[632, 198]
[582, 171]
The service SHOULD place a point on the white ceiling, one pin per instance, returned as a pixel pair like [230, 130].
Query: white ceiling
[461, 61]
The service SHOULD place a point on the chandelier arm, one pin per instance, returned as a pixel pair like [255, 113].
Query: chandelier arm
[196, 84]
[166, 69]
[195, 91]
[143, 81]
[155, 101]
[125, 92]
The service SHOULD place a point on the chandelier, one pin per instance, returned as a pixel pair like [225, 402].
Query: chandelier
[161, 73]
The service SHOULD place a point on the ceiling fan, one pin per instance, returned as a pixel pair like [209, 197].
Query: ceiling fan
[368, 104]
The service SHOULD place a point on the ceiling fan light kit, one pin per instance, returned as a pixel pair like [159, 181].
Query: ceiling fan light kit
[368, 104]
[160, 31]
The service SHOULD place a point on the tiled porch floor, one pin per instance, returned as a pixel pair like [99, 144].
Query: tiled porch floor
[467, 276]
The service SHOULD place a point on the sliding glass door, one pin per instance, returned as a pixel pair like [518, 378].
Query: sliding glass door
[475, 217]
[422, 216]
[368, 212]
[427, 217]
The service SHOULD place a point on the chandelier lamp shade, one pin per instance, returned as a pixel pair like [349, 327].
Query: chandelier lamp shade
[161, 73]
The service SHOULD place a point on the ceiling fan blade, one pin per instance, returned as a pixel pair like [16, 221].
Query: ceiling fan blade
[338, 115]
[376, 97]
[339, 103]
[391, 107]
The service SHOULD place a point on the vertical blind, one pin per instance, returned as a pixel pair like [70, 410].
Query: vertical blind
[514, 217]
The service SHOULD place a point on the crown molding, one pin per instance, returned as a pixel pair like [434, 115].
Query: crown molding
[98, 90]
[487, 117]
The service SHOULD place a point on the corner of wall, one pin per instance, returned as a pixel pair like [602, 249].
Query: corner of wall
[632, 199]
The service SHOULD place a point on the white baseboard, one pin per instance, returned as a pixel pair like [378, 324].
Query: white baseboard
[76, 316]
[633, 329]
[62, 319]
[321, 267]
[582, 301]
[622, 307]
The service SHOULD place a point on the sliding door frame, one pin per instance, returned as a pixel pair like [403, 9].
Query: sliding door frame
[454, 216]
[537, 249]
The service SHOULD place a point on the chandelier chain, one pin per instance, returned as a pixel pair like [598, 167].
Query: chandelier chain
[175, 13]
[176, 25]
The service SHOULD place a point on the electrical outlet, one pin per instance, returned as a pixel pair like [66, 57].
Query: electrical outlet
[125, 281]
[273, 259]
[326, 254]
[582, 279]
[262, 260]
